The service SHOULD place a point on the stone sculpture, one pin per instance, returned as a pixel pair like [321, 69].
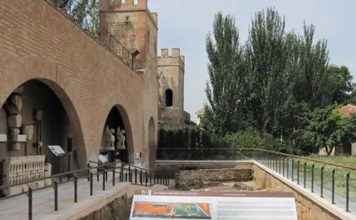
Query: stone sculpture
[14, 108]
[120, 139]
[109, 139]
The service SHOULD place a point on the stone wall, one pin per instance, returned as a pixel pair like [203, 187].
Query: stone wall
[196, 179]
[118, 209]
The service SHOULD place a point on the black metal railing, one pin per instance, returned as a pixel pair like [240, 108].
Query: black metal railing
[334, 182]
[120, 172]
[104, 38]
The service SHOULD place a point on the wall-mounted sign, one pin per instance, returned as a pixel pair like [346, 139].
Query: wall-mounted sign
[56, 150]
[21, 138]
[3, 138]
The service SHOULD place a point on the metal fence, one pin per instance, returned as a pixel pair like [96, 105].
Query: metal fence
[95, 172]
[334, 182]
[105, 39]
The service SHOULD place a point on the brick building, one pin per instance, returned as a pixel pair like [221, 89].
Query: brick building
[61, 87]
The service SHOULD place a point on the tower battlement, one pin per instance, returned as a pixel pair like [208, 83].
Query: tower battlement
[170, 55]
[173, 52]
[122, 5]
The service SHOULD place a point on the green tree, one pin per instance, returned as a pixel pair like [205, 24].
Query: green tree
[267, 55]
[273, 82]
[226, 70]
[328, 129]
[338, 85]
[84, 12]
[311, 72]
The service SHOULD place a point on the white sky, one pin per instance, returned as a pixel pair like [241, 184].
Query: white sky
[186, 23]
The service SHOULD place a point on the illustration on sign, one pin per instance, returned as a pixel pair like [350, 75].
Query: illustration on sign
[172, 210]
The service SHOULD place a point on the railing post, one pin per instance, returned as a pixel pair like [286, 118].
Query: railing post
[91, 183]
[146, 178]
[29, 203]
[322, 182]
[130, 175]
[333, 186]
[292, 171]
[122, 173]
[141, 177]
[150, 179]
[75, 189]
[113, 176]
[348, 192]
[284, 166]
[298, 172]
[135, 175]
[97, 173]
[305, 175]
[287, 168]
[88, 172]
[312, 178]
[55, 186]
[104, 179]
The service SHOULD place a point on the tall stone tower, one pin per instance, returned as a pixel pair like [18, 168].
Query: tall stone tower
[171, 70]
[131, 22]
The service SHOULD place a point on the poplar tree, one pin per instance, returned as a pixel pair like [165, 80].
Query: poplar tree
[226, 68]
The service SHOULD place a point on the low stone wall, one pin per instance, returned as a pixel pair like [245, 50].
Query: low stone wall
[196, 179]
[172, 167]
[118, 209]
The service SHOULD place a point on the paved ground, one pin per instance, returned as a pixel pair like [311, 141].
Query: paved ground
[16, 208]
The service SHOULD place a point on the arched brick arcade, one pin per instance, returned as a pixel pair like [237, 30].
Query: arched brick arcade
[38, 114]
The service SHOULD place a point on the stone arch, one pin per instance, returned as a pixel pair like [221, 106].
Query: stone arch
[152, 141]
[79, 155]
[169, 97]
[118, 117]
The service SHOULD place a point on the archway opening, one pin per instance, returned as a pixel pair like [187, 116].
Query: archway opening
[169, 97]
[116, 141]
[38, 117]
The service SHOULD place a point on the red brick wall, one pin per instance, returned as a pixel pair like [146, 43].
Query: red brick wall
[38, 42]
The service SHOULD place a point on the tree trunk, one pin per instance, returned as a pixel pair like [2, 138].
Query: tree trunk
[329, 150]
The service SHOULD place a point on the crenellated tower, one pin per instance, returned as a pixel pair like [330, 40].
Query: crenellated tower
[171, 70]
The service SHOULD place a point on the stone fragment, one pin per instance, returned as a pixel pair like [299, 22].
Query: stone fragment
[14, 121]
